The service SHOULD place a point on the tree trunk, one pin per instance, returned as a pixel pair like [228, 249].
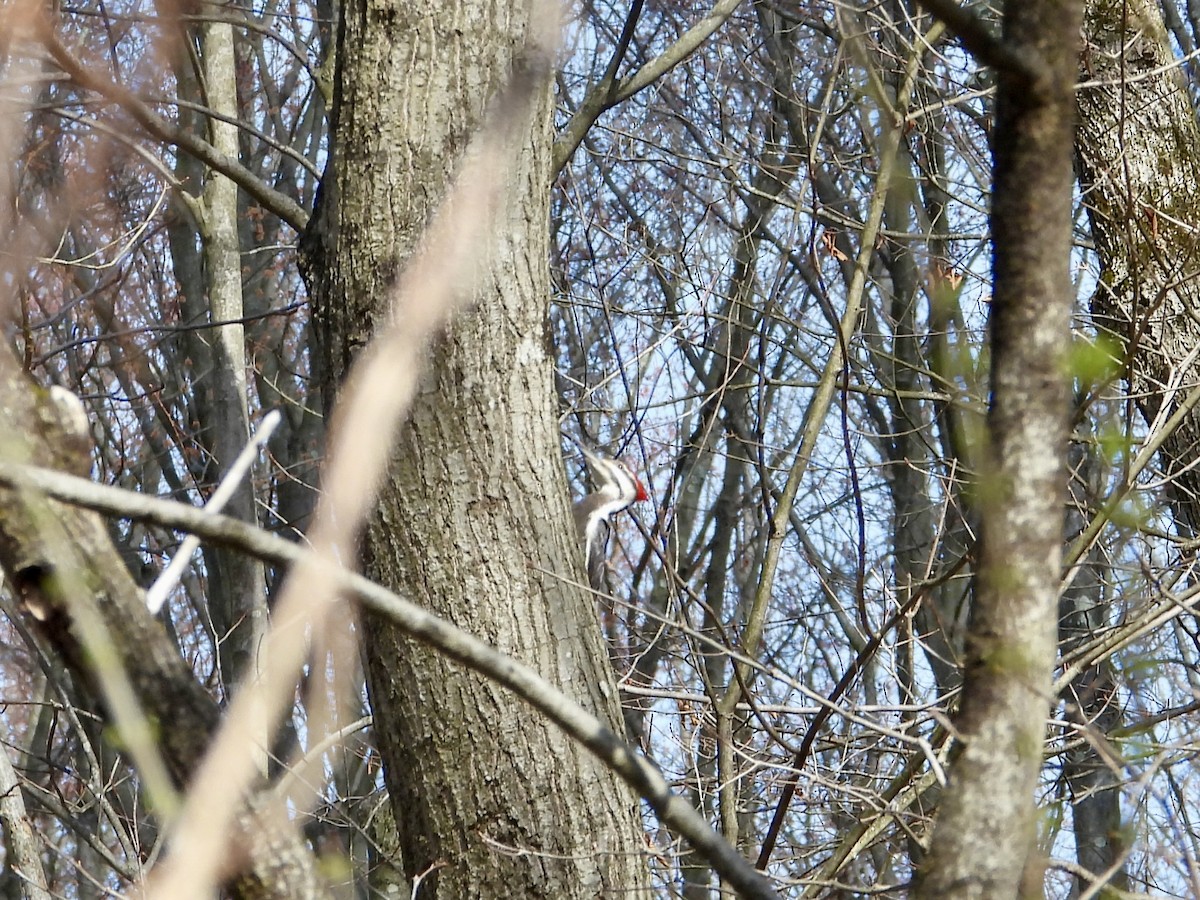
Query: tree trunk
[1093, 785]
[473, 520]
[206, 260]
[237, 584]
[1139, 161]
[986, 826]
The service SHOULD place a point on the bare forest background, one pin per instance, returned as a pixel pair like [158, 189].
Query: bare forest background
[913, 489]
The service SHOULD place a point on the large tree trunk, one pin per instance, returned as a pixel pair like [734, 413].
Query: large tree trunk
[1138, 150]
[473, 519]
[1139, 161]
[986, 824]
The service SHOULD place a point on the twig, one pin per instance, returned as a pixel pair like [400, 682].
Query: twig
[609, 92]
[158, 127]
[165, 583]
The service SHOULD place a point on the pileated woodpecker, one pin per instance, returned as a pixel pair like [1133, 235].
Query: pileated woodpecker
[616, 489]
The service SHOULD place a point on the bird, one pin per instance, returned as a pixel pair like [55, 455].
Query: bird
[616, 489]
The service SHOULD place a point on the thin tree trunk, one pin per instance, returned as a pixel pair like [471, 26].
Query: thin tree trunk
[986, 825]
[22, 847]
[209, 276]
[237, 584]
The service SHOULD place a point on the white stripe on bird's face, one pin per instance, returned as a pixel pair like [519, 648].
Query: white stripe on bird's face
[616, 489]
[616, 483]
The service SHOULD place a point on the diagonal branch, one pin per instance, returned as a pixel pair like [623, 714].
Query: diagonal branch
[984, 44]
[276, 202]
[608, 92]
[69, 579]
[634, 768]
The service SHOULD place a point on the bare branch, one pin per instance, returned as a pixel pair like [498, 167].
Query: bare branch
[608, 92]
[984, 44]
[162, 587]
[67, 574]
[634, 768]
[158, 127]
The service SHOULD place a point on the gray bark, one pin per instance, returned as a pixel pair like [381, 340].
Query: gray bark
[1139, 162]
[237, 585]
[22, 847]
[206, 261]
[986, 825]
[1091, 700]
[474, 518]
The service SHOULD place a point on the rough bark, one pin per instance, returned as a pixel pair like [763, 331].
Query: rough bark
[473, 520]
[1138, 152]
[21, 843]
[985, 828]
[1139, 162]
